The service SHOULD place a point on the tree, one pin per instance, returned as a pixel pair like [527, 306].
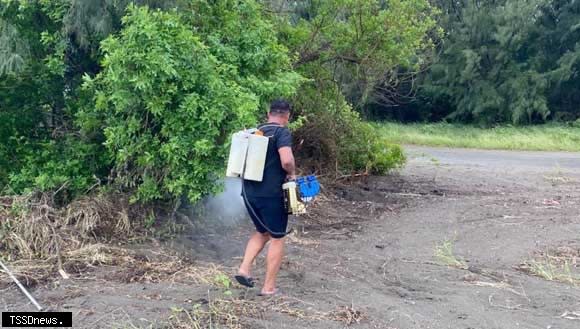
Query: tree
[362, 44]
[353, 53]
[506, 61]
[31, 80]
[558, 46]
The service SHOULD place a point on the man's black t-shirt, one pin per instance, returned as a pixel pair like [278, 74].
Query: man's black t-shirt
[274, 174]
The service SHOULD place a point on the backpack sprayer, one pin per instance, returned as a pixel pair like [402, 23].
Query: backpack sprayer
[247, 159]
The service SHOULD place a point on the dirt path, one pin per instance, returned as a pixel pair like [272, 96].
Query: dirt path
[372, 250]
[497, 209]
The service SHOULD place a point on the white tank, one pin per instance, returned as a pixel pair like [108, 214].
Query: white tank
[247, 150]
[238, 151]
[256, 158]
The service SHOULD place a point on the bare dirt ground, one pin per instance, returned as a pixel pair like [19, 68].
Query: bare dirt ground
[459, 239]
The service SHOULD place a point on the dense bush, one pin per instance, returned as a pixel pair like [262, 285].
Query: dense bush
[334, 140]
[71, 166]
[170, 95]
[147, 103]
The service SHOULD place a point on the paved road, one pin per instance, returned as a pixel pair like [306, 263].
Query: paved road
[565, 161]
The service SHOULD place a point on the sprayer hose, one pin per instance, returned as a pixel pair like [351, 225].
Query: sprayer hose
[249, 206]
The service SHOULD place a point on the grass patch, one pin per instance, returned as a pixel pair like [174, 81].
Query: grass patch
[531, 138]
[559, 264]
[445, 255]
[553, 272]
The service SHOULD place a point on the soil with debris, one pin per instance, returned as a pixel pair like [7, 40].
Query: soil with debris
[458, 239]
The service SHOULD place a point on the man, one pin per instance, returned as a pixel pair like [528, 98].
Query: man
[265, 200]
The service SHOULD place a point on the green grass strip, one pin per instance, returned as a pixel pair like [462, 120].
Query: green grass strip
[530, 138]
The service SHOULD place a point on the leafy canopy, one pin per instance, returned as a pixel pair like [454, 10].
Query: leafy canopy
[363, 45]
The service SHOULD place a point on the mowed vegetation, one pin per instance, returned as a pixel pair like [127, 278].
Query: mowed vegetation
[530, 138]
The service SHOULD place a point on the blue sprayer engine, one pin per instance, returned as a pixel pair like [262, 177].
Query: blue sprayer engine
[299, 192]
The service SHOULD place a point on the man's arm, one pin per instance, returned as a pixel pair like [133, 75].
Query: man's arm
[287, 160]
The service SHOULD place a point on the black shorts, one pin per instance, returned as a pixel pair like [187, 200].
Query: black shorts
[271, 212]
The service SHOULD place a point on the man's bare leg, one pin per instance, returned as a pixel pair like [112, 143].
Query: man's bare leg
[273, 262]
[255, 245]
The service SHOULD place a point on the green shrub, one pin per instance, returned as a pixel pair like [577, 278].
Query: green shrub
[174, 87]
[334, 138]
[362, 149]
[380, 155]
[71, 165]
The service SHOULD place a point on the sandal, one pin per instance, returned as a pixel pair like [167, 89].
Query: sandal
[245, 281]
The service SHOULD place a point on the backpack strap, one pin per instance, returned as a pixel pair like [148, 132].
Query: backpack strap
[270, 125]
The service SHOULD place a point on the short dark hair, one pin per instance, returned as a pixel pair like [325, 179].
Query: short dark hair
[280, 106]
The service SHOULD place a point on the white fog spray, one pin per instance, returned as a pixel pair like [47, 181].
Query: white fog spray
[217, 226]
[228, 206]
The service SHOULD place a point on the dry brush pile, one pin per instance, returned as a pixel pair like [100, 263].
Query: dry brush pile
[240, 313]
[42, 240]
